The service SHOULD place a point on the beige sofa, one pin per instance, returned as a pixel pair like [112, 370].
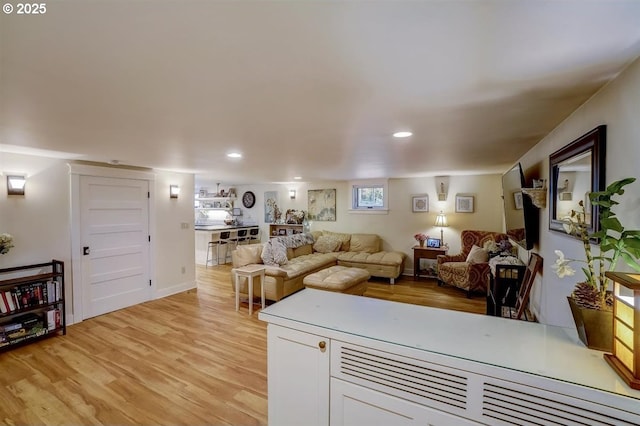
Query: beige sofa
[356, 250]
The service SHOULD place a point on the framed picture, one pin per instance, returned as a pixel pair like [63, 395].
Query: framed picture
[291, 231]
[433, 242]
[271, 209]
[322, 204]
[282, 231]
[517, 200]
[464, 203]
[420, 203]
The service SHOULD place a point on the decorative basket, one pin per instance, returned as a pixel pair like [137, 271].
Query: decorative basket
[538, 196]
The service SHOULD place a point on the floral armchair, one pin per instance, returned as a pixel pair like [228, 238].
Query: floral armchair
[469, 274]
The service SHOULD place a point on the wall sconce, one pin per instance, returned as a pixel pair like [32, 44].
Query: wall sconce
[625, 359]
[174, 190]
[441, 221]
[292, 194]
[15, 185]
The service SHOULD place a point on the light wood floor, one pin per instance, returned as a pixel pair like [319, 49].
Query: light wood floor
[189, 358]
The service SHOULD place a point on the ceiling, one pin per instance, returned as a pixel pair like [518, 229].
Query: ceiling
[305, 88]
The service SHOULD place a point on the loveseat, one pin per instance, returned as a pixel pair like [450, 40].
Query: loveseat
[469, 269]
[328, 249]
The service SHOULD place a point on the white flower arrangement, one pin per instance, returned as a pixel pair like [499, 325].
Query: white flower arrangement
[615, 243]
[6, 243]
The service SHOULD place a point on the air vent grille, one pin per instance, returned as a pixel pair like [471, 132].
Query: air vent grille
[513, 406]
[408, 378]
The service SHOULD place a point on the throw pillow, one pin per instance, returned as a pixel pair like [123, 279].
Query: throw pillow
[274, 253]
[477, 255]
[326, 244]
[344, 238]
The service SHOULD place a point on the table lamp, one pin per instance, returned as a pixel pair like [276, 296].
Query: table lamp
[625, 359]
[441, 221]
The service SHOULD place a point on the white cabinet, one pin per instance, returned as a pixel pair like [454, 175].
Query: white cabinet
[298, 377]
[379, 368]
[356, 405]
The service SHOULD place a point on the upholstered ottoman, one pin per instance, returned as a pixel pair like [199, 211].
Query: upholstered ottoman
[341, 279]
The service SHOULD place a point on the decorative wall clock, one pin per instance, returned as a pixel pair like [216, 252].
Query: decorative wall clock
[248, 199]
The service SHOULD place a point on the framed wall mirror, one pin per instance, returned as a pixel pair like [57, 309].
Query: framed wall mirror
[574, 171]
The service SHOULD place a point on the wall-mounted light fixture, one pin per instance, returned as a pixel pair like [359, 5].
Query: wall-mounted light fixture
[174, 190]
[292, 194]
[15, 184]
[441, 222]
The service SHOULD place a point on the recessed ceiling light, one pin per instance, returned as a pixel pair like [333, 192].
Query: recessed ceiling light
[234, 155]
[297, 177]
[402, 134]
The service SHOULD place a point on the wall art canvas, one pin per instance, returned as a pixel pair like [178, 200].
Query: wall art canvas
[322, 204]
[271, 207]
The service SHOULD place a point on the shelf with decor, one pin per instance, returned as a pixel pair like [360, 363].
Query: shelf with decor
[32, 304]
[214, 203]
[279, 229]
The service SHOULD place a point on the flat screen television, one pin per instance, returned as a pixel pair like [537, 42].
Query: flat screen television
[521, 217]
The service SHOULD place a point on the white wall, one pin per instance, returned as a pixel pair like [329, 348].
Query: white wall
[400, 224]
[175, 261]
[40, 222]
[616, 105]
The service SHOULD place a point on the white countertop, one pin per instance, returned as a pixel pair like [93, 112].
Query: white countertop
[533, 348]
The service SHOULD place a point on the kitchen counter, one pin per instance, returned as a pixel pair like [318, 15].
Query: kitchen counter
[204, 233]
[222, 227]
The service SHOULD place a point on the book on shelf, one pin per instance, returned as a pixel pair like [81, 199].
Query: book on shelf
[9, 327]
[53, 319]
[7, 301]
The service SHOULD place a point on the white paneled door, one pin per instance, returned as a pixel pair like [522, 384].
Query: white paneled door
[114, 215]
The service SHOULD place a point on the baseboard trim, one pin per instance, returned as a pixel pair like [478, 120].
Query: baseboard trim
[178, 288]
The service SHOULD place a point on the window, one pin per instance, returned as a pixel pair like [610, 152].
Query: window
[369, 196]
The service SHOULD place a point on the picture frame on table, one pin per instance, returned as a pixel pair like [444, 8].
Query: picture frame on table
[434, 242]
[420, 203]
[464, 203]
[517, 200]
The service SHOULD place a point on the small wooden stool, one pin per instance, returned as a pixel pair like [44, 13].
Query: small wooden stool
[249, 271]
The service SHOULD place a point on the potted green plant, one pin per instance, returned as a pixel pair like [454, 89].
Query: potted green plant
[591, 301]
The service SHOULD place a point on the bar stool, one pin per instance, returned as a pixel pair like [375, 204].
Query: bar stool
[241, 237]
[254, 235]
[218, 239]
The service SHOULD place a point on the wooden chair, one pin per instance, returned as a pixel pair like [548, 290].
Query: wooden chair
[533, 268]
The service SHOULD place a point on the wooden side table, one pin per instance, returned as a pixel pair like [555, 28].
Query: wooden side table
[425, 253]
[249, 271]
